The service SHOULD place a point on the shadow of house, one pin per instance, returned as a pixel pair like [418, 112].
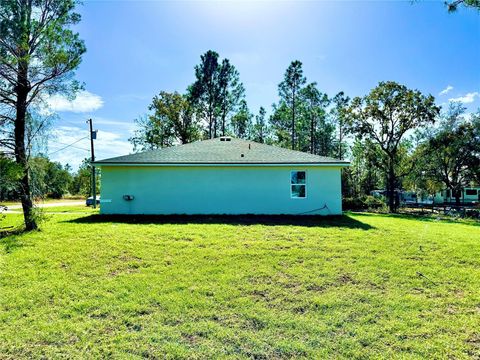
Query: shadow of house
[340, 221]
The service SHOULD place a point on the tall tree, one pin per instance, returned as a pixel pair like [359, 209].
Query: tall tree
[204, 93]
[313, 105]
[384, 116]
[338, 112]
[289, 90]
[216, 92]
[281, 125]
[242, 122]
[453, 5]
[451, 152]
[81, 183]
[474, 158]
[177, 111]
[260, 129]
[231, 92]
[172, 121]
[363, 175]
[152, 133]
[38, 54]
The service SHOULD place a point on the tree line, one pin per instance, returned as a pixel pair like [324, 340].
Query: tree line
[396, 137]
[48, 179]
[304, 118]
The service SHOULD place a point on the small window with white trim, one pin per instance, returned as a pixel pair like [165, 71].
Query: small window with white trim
[298, 184]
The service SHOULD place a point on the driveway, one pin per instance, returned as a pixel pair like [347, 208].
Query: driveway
[52, 204]
[17, 209]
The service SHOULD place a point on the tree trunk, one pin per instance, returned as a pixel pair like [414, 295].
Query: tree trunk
[293, 120]
[391, 187]
[21, 159]
[340, 155]
[22, 89]
[215, 127]
[209, 126]
[457, 196]
[223, 126]
[312, 136]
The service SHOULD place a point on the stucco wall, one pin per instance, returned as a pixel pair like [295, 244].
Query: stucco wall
[218, 190]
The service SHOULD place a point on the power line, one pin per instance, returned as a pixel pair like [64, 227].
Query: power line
[76, 147]
[68, 146]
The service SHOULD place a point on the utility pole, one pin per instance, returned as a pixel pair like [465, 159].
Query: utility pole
[93, 136]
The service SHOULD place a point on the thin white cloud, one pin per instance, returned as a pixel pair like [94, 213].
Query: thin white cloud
[466, 99]
[108, 144]
[84, 102]
[446, 90]
[128, 125]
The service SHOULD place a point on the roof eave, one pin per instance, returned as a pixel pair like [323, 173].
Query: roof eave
[321, 164]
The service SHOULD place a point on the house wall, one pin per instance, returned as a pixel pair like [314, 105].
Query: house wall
[441, 196]
[218, 190]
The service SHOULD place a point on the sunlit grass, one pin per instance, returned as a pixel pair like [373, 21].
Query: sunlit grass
[362, 286]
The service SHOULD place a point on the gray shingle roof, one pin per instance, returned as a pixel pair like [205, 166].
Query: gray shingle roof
[218, 151]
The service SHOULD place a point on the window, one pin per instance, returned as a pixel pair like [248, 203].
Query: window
[298, 181]
[471, 192]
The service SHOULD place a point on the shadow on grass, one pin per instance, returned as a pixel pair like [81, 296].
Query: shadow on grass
[428, 217]
[8, 239]
[269, 220]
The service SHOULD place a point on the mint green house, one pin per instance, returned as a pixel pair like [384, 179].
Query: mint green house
[221, 176]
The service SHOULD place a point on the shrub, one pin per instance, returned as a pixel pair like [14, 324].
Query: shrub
[363, 203]
[374, 203]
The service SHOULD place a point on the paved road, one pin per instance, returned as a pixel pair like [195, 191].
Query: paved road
[52, 204]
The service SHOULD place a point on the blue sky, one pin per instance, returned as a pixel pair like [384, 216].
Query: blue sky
[137, 48]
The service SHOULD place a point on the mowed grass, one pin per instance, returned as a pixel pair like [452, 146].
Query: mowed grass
[358, 286]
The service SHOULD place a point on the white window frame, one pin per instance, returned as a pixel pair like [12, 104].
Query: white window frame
[290, 184]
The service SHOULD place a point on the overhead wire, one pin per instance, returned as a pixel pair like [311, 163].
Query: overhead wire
[69, 145]
[76, 147]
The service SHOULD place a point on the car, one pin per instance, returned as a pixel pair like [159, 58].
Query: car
[89, 201]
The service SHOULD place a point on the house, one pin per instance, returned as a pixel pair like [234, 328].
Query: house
[404, 197]
[468, 195]
[221, 176]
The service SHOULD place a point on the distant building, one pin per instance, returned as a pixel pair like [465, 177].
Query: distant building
[468, 195]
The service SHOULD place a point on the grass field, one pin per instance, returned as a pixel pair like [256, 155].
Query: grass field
[356, 286]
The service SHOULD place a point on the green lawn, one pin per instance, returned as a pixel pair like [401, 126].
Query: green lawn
[359, 286]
